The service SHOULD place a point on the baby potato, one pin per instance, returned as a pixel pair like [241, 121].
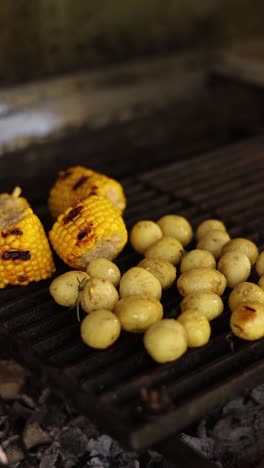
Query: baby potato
[208, 304]
[138, 313]
[143, 234]
[197, 258]
[165, 340]
[261, 282]
[105, 269]
[173, 225]
[65, 289]
[236, 267]
[98, 294]
[168, 248]
[136, 281]
[260, 264]
[243, 245]
[163, 270]
[214, 240]
[207, 225]
[243, 293]
[197, 328]
[100, 329]
[201, 279]
[247, 321]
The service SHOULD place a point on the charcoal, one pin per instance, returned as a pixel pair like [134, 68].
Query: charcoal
[12, 379]
[73, 442]
[33, 435]
[87, 427]
[52, 457]
[95, 462]
[3, 457]
[103, 445]
[257, 395]
[14, 452]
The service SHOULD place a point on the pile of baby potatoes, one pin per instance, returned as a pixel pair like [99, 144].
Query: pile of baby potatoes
[132, 301]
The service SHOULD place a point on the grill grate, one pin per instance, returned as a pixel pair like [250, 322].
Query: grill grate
[108, 384]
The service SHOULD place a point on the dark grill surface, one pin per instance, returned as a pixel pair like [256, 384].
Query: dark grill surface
[108, 385]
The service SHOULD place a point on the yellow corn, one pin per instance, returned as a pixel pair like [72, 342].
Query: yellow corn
[25, 254]
[91, 228]
[78, 182]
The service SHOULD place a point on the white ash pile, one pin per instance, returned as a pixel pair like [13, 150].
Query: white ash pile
[233, 437]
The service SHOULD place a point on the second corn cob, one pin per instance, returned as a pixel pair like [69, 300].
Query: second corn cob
[77, 183]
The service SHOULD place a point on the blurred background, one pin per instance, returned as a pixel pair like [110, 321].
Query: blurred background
[41, 38]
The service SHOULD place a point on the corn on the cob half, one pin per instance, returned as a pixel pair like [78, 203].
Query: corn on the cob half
[91, 228]
[25, 254]
[78, 182]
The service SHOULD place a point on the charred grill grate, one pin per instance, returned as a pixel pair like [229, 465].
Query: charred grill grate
[122, 387]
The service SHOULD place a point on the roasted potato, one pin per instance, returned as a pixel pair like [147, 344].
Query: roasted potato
[100, 329]
[105, 269]
[136, 281]
[197, 258]
[98, 294]
[208, 304]
[143, 234]
[213, 241]
[247, 321]
[168, 248]
[177, 226]
[243, 245]
[201, 279]
[245, 292]
[66, 288]
[163, 270]
[197, 327]
[138, 313]
[236, 267]
[165, 340]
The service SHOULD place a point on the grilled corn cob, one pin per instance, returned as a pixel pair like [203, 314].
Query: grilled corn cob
[91, 228]
[25, 254]
[77, 183]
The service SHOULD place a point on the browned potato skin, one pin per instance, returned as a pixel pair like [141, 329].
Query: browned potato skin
[245, 292]
[247, 321]
[201, 279]
[244, 245]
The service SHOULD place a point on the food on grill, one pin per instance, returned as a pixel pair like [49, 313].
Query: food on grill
[138, 313]
[66, 288]
[213, 241]
[78, 182]
[166, 340]
[236, 267]
[98, 294]
[143, 234]
[136, 281]
[25, 254]
[261, 282]
[177, 226]
[243, 293]
[163, 270]
[207, 225]
[197, 258]
[100, 329]
[197, 327]
[89, 229]
[105, 269]
[208, 303]
[247, 321]
[243, 245]
[168, 248]
[260, 264]
[201, 279]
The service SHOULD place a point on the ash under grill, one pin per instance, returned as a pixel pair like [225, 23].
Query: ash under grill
[122, 387]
